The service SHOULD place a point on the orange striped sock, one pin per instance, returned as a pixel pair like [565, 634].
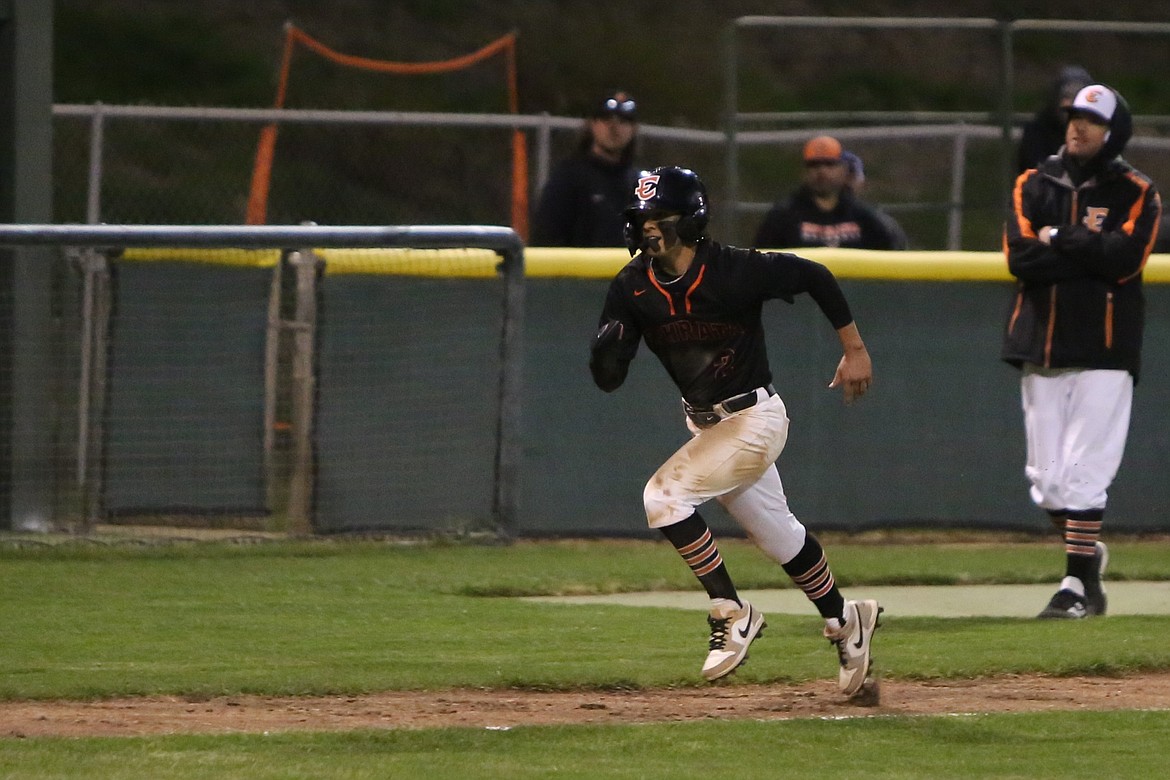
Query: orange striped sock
[694, 542]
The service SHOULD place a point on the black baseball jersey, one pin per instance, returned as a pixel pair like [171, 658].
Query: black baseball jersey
[705, 326]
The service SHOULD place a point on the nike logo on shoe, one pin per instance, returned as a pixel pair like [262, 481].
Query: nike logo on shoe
[743, 632]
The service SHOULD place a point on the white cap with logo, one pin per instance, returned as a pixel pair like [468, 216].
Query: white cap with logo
[1096, 99]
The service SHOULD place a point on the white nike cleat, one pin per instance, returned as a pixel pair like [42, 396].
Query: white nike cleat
[852, 641]
[733, 628]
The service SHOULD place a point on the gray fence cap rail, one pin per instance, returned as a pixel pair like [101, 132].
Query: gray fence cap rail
[500, 239]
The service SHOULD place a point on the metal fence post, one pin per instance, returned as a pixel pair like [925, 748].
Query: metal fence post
[91, 390]
[958, 179]
[304, 380]
[730, 122]
[543, 152]
[508, 445]
[93, 199]
[272, 342]
[1007, 108]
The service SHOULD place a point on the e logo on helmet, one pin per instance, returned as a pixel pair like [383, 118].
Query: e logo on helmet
[647, 187]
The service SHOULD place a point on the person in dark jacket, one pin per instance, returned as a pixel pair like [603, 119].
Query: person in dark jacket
[855, 181]
[1080, 231]
[824, 211]
[1044, 133]
[582, 201]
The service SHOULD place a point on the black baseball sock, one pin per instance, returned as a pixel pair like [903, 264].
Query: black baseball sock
[692, 538]
[1081, 532]
[810, 570]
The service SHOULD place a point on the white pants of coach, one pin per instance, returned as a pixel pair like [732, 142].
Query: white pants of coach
[1076, 422]
[732, 461]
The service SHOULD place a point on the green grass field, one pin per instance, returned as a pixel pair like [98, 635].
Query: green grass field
[337, 617]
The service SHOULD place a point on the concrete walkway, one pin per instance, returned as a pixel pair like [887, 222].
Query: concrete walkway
[1125, 598]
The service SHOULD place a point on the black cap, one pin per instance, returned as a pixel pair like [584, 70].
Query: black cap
[617, 104]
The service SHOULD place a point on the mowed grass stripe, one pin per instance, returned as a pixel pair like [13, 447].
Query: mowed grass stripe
[1073, 745]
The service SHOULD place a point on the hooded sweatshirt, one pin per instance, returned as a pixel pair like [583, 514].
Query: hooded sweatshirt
[1078, 301]
[1044, 132]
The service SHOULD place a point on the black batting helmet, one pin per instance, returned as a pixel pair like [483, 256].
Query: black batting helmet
[668, 189]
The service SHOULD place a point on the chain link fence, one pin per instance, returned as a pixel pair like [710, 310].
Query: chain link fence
[154, 165]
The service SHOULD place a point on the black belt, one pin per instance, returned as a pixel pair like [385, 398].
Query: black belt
[704, 416]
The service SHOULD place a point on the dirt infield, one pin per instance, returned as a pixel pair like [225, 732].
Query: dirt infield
[510, 708]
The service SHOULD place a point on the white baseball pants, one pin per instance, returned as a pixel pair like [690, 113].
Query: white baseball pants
[732, 461]
[1076, 422]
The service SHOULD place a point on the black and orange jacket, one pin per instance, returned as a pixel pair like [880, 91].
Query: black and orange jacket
[706, 325]
[1079, 302]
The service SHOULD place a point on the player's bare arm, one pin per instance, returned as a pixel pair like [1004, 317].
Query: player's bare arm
[855, 371]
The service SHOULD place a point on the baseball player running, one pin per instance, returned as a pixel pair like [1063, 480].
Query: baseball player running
[698, 306]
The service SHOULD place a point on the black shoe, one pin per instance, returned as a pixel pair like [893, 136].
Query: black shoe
[1095, 601]
[1066, 605]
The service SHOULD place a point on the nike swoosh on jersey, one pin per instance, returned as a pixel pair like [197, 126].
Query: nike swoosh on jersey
[638, 292]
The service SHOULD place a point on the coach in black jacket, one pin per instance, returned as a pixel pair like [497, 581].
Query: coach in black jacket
[1081, 229]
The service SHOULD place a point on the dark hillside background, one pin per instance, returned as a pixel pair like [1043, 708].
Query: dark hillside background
[227, 53]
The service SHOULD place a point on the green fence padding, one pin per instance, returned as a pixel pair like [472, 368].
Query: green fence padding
[184, 419]
[938, 442]
[408, 377]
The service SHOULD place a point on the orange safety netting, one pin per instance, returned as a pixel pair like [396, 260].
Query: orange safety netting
[262, 168]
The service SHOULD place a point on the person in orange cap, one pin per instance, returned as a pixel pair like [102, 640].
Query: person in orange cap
[824, 211]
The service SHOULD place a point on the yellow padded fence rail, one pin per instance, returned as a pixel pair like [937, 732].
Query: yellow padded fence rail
[243, 258]
[546, 262]
[453, 263]
[845, 263]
